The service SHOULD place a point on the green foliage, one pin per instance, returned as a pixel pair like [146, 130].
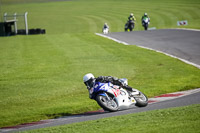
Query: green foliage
[41, 75]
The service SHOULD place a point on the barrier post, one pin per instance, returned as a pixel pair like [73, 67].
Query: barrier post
[26, 22]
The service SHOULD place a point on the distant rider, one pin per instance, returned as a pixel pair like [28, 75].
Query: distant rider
[131, 18]
[130, 23]
[89, 80]
[105, 28]
[144, 17]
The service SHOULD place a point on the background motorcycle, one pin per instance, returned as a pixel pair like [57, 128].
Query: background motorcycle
[129, 25]
[112, 97]
[105, 30]
[145, 23]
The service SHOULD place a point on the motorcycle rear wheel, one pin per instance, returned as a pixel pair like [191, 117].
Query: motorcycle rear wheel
[141, 100]
[106, 104]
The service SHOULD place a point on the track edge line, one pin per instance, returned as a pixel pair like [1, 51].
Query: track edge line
[122, 42]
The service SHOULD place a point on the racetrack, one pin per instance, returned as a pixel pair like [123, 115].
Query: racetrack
[161, 102]
[180, 43]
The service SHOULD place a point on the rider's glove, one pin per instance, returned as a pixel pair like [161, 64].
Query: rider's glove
[122, 84]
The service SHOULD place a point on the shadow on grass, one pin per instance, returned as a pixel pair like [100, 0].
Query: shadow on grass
[62, 115]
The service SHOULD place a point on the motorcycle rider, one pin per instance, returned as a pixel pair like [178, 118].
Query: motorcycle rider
[106, 28]
[145, 16]
[130, 23]
[131, 18]
[89, 80]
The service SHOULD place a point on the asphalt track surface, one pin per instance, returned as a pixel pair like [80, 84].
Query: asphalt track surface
[184, 44]
[181, 43]
[193, 98]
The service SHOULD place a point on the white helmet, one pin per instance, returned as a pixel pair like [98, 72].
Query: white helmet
[145, 14]
[88, 79]
[131, 14]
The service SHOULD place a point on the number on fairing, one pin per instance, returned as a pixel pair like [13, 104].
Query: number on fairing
[116, 92]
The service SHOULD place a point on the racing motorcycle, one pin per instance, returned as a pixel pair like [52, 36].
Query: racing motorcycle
[145, 23]
[105, 30]
[129, 26]
[113, 98]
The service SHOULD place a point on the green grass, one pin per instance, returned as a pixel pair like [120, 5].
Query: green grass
[41, 75]
[89, 16]
[173, 120]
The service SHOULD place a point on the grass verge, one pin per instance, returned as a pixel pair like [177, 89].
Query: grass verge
[41, 81]
[41, 75]
[176, 120]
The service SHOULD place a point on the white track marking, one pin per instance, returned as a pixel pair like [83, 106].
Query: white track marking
[187, 29]
[125, 43]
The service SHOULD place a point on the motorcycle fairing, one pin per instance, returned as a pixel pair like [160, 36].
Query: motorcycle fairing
[120, 95]
[101, 87]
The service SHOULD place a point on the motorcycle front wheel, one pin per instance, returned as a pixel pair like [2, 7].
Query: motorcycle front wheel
[146, 27]
[141, 100]
[107, 103]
